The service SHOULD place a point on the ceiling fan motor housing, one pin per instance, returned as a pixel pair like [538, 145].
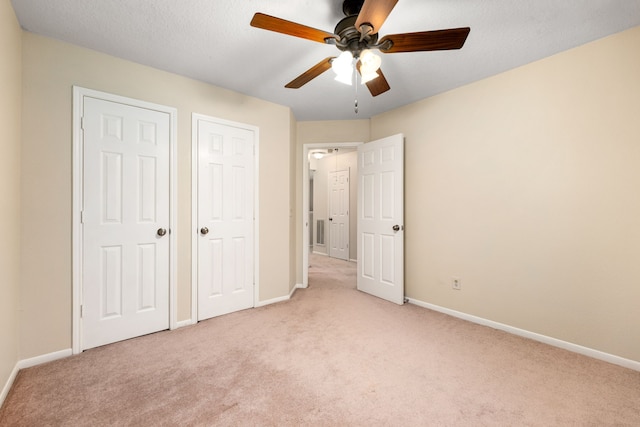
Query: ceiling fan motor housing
[350, 37]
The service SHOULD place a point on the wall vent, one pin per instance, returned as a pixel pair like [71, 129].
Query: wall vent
[320, 232]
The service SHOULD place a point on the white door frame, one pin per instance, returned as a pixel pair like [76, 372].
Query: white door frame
[305, 199]
[194, 208]
[77, 177]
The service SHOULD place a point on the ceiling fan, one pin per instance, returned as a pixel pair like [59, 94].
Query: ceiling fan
[356, 35]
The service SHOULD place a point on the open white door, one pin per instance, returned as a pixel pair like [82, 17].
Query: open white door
[381, 217]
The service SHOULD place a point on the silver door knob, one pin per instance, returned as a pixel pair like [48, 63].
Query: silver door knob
[161, 232]
[396, 227]
[204, 230]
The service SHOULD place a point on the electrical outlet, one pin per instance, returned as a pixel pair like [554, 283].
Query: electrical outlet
[455, 283]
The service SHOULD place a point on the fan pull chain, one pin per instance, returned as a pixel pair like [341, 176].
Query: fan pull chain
[356, 81]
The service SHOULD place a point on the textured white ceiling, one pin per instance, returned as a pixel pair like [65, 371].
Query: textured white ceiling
[212, 41]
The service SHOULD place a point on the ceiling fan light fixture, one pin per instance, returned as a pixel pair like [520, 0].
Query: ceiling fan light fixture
[344, 78]
[318, 153]
[370, 61]
[343, 67]
[368, 76]
[369, 65]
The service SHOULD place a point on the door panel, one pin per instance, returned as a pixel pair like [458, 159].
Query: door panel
[126, 186]
[380, 208]
[339, 214]
[225, 267]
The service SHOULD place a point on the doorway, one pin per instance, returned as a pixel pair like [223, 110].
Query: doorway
[311, 216]
[380, 216]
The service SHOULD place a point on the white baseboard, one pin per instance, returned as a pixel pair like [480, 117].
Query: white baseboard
[278, 299]
[586, 351]
[272, 301]
[258, 304]
[293, 291]
[28, 363]
[8, 384]
[39, 360]
[183, 323]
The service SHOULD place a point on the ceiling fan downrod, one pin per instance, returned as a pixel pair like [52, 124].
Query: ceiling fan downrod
[352, 7]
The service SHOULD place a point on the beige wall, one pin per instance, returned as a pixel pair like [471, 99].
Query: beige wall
[51, 68]
[526, 187]
[329, 131]
[10, 116]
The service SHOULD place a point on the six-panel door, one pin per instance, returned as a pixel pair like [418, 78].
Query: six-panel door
[225, 218]
[125, 221]
[380, 218]
[339, 214]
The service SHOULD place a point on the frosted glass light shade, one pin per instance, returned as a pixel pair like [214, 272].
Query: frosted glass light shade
[369, 65]
[367, 77]
[370, 61]
[343, 67]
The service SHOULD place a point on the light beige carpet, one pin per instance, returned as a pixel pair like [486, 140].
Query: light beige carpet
[330, 356]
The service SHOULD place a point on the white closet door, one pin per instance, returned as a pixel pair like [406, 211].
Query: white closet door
[125, 221]
[225, 218]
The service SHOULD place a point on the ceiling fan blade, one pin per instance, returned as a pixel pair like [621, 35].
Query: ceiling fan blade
[377, 86]
[426, 40]
[310, 74]
[374, 13]
[271, 23]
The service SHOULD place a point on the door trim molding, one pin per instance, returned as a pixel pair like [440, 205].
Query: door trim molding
[195, 117]
[305, 200]
[76, 231]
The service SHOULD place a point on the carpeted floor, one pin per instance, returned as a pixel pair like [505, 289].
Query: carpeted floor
[330, 356]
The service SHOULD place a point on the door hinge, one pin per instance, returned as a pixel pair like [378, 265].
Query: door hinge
[81, 311]
[82, 122]
[81, 217]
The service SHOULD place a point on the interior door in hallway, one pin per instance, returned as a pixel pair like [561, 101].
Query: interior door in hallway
[225, 224]
[339, 214]
[125, 221]
[380, 218]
